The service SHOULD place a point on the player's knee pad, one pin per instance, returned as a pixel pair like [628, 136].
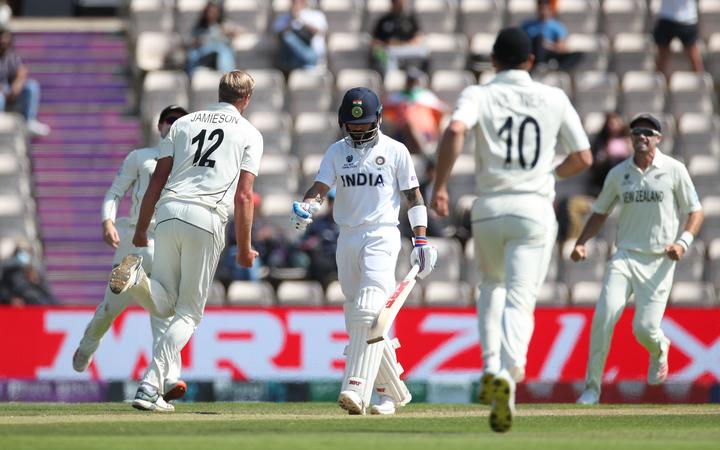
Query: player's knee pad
[361, 311]
[388, 380]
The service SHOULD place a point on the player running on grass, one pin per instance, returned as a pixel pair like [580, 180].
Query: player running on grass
[517, 124]
[209, 158]
[370, 172]
[135, 173]
[654, 191]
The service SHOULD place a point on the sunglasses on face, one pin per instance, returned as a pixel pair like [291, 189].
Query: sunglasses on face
[647, 132]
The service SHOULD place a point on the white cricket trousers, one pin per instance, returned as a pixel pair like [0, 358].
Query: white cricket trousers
[113, 304]
[512, 254]
[366, 259]
[649, 277]
[188, 242]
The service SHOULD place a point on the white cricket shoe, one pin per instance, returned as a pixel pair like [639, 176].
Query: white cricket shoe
[37, 128]
[174, 390]
[503, 403]
[148, 399]
[125, 275]
[81, 361]
[351, 402]
[386, 407]
[485, 389]
[658, 369]
[589, 397]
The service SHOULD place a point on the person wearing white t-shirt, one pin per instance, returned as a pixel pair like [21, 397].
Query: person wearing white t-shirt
[209, 160]
[677, 19]
[302, 36]
[517, 124]
[654, 191]
[370, 172]
[134, 176]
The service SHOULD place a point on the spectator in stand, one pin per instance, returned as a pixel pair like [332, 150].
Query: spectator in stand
[397, 40]
[19, 92]
[548, 38]
[302, 36]
[413, 115]
[210, 46]
[21, 283]
[320, 242]
[677, 19]
[611, 147]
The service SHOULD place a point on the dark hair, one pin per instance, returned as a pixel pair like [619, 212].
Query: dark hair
[512, 48]
[604, 135]
[202, 22]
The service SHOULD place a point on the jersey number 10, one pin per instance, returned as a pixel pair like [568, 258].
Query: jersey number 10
[507, 129]
[203, 160]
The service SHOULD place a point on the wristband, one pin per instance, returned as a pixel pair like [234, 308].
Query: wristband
[417, 215]
[685, 240]
[420, 241]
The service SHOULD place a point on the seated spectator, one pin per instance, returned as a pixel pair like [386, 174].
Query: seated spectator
[20, 93]
[548, 38]
[413, 115]
[611, 147]
[320, 242]
[397, 40]
[21, 283]
[210, 46]
[302, 36]
[677, 19]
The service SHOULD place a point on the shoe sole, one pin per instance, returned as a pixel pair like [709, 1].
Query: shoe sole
[77, 367]
[501, 413]
[350, 406]
[120, 276]
[486, 388]
[177, 392]
[144, 405]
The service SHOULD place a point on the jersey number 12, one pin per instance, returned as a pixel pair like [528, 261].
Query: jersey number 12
[203, 159]
[507, 129]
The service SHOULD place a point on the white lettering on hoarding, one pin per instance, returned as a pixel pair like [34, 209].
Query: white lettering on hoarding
[571, 327]
[702, 358]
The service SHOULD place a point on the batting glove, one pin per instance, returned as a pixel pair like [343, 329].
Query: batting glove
[424, 255]
[302, 213]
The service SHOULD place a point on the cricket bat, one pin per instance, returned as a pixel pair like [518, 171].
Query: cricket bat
[392, 306]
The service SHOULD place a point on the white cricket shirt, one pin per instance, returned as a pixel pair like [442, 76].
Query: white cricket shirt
[209, 149]
[651, 202]
[135, 173]
[517, 124]
[368, 182]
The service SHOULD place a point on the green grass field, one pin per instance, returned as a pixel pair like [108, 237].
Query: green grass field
[219, 426]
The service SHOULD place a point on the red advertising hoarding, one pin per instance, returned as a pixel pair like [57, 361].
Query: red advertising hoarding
[307, 344]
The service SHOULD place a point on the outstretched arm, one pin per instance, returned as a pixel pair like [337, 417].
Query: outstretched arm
[450, 147]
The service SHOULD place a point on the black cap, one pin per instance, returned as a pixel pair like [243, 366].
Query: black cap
[512, 46]
[648, 118]
[359, 105]
[170, 110]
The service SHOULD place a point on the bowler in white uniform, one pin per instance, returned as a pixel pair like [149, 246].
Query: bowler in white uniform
[654, 191]
[370, 172]
[517, 124]
[208, 159]
[134, 177]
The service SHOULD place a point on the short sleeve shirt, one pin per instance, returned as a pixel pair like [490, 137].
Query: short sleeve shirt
[369, 182]
[651, 202]
[209, 149]
[10, 63]
[392, 26]
[551, 29]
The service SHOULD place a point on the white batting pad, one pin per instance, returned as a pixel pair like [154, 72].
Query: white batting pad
[388, 380]
[363, 360]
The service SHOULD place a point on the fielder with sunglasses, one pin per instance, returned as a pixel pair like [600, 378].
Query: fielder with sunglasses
[134, 177]
[654, 191]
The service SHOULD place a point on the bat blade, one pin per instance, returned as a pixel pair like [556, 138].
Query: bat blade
[392, 306]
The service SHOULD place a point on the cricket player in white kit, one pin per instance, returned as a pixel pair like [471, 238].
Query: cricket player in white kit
[209, 158]
[517, 124]
[370, 172]
[654, 191]
[134, 176]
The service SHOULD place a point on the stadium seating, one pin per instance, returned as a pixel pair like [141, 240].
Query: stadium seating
[633, 51]
[643, 92]
[250, 293]
[447, 293]
[623, 16]
[294, 293]
[481, 16]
